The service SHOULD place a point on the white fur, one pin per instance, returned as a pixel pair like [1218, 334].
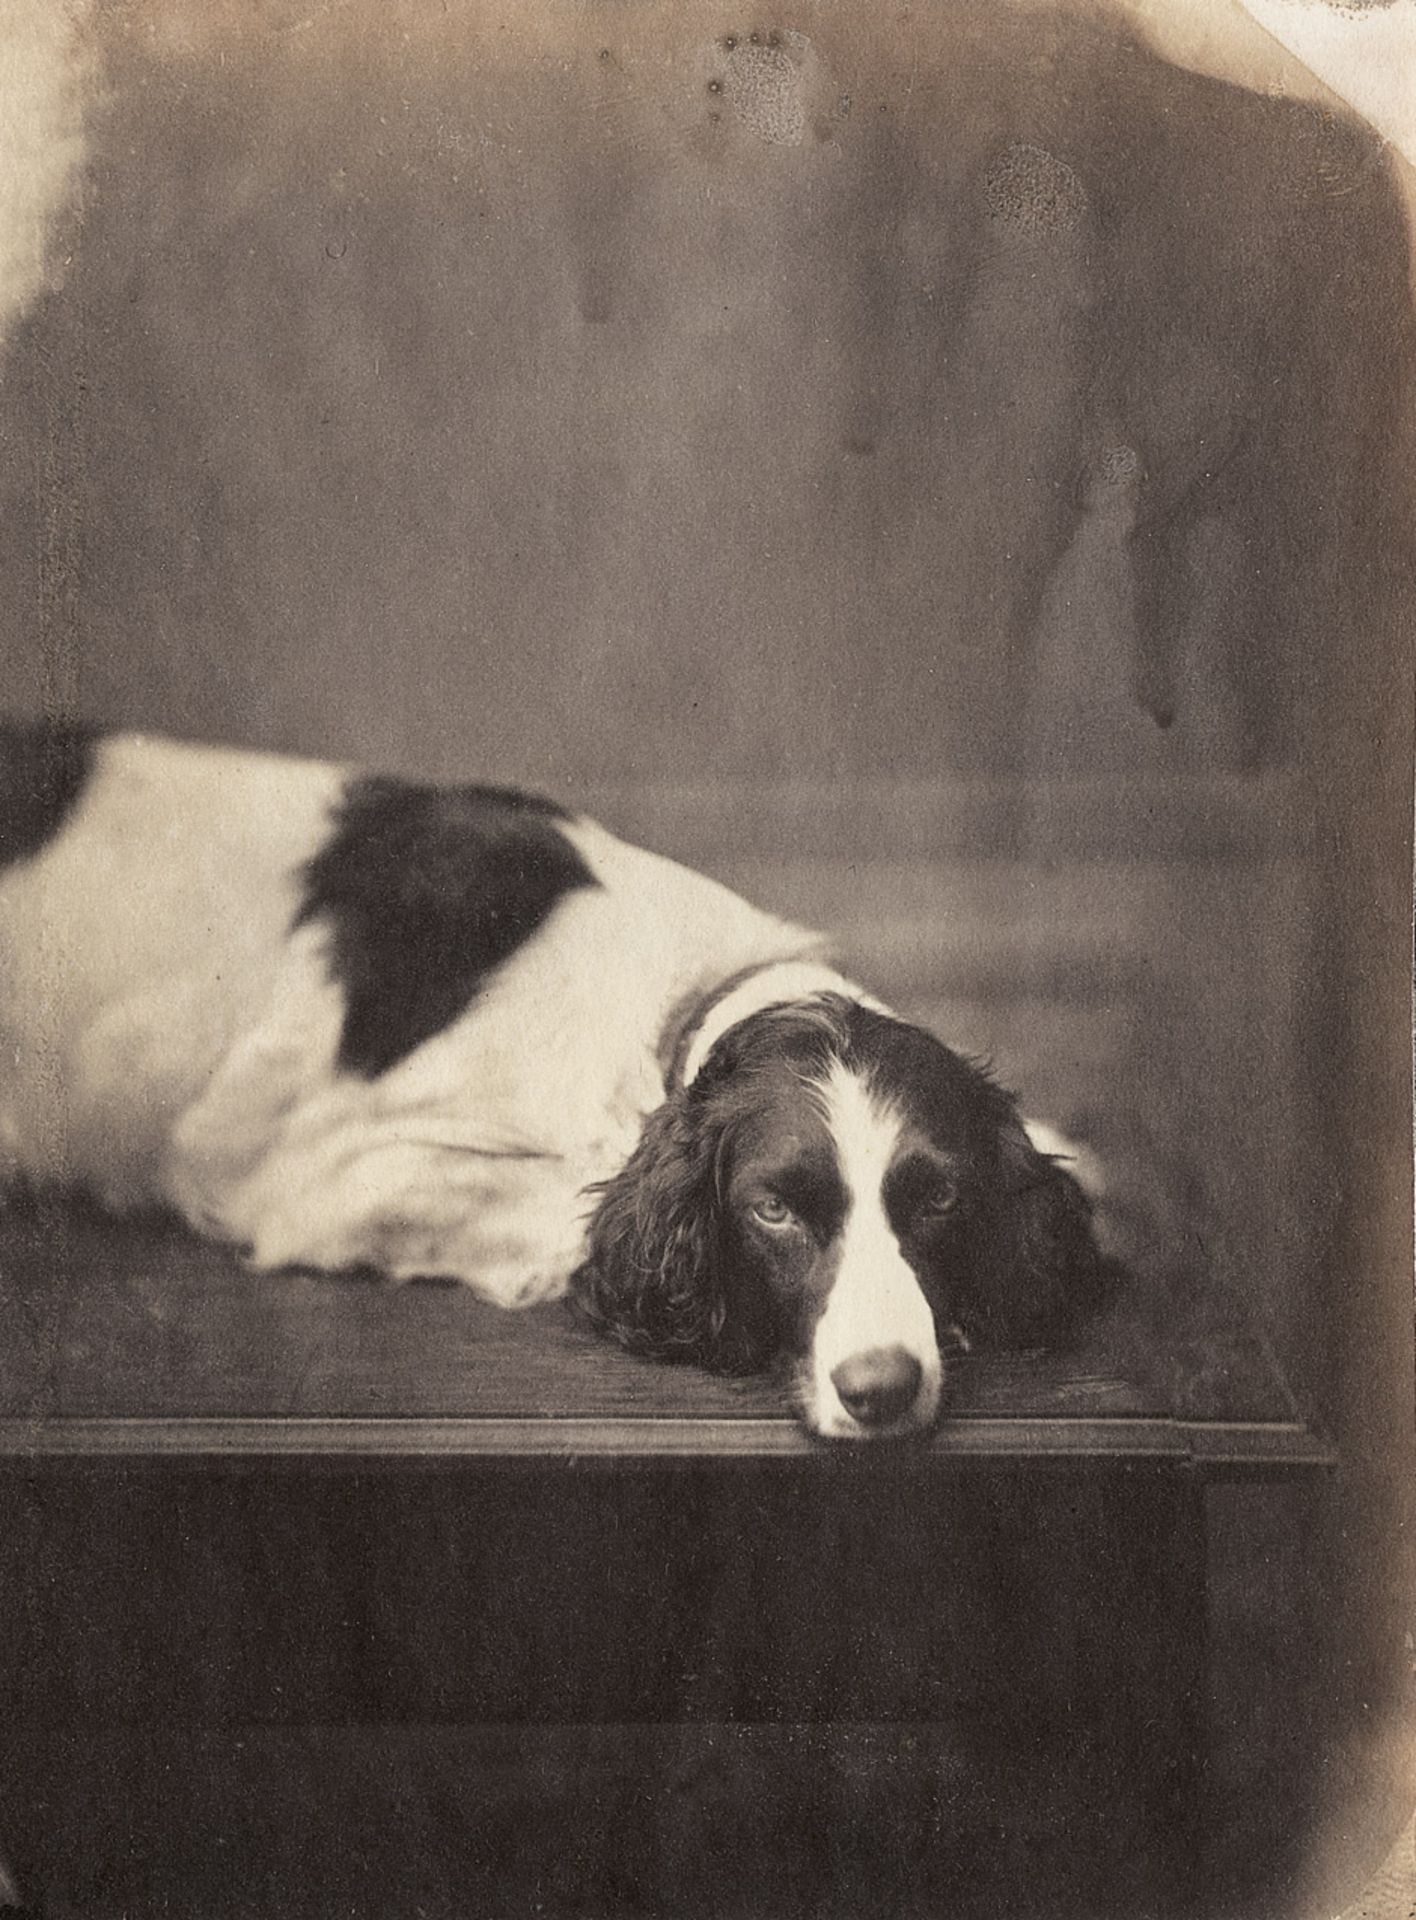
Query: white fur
[139, 946]
[875, 1299]
[174, 1041]
[771, 986]
[1084, 1166]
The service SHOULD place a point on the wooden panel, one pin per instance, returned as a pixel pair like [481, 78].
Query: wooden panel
[208, 1594]
[708, 1822]
[140, 1323]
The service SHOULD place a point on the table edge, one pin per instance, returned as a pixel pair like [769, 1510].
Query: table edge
[1213, 1445]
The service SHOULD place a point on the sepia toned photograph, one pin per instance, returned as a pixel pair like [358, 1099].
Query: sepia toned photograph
[706, 789]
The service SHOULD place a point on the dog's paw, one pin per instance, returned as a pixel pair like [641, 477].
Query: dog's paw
[1086, 1167]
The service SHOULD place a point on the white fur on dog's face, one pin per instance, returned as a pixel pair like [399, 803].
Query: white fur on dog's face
[812, 1231]
[875, 1302]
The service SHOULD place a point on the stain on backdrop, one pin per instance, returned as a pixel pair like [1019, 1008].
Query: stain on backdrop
[624, 393]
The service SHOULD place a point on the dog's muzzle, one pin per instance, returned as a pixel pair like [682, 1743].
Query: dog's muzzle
[878, 1387]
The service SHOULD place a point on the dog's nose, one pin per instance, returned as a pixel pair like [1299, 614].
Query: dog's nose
[879, 1385]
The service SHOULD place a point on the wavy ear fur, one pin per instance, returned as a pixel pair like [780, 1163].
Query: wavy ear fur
[1037, 1271]
[656, 1279]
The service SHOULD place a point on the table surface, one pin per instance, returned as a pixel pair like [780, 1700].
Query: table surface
[133, 1339]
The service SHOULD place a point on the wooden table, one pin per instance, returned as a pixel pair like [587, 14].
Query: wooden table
[230, 1500]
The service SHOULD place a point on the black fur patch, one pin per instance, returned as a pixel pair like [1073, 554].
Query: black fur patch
[43, 769]
[426, 891]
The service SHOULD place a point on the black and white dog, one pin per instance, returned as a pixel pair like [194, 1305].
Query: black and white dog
[342, 1020]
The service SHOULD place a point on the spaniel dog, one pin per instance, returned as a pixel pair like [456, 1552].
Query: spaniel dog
[343, 1020]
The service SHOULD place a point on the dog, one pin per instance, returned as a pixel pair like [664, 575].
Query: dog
[341, 1020]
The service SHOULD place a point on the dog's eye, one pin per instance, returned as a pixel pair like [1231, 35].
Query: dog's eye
[772, 1211]
[942, 1201]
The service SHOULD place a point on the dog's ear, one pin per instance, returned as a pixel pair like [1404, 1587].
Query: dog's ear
[656, 1279]
[1037, 1271]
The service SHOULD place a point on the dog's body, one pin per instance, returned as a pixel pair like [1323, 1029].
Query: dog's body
[345, 1021]
[178, 1012]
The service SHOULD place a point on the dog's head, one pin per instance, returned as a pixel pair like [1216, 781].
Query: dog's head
[838, 1193]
